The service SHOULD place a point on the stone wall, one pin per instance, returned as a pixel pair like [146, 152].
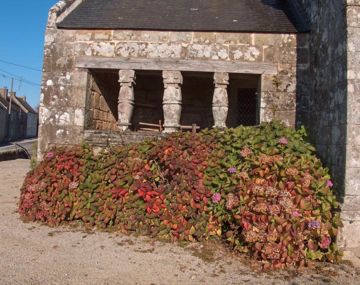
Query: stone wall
[323, 89]
[107, 138]
[351, 208]
[101, 117]
[3, 123]
[65, 88]
[330, 104]
[31, 125]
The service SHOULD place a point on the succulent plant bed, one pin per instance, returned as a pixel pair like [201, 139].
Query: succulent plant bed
[261, 190]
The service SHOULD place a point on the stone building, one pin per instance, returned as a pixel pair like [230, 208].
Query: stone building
[111, 67]
[23, 120]
[3, 118]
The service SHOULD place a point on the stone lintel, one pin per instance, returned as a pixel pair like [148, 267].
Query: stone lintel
[91, 62]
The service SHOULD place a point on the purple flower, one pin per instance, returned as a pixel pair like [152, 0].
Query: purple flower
[283, 141]
[216, 198]
[329, 183]
[312, 225]
[50, 155]
[231, 170]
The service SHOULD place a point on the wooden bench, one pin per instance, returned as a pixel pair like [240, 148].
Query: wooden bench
[142, 126]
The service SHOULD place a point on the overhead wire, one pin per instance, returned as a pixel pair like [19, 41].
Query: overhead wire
[20, 65]
[20, 79]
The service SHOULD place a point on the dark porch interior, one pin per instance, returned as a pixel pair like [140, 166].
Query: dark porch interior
[197, 93]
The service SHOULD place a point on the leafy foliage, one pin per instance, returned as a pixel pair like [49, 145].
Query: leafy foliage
[260, 189]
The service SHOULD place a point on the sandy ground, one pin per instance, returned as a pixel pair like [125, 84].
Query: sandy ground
[36, 254]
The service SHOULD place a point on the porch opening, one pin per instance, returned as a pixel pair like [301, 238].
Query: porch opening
[148, 91]
[103, 100]
[197, 100]
[244, 107]
[197, 94]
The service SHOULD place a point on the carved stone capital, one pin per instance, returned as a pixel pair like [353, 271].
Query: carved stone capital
[172, 77]
[127, 77]
[221, 78]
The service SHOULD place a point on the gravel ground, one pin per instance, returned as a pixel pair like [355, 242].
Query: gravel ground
[36, 254]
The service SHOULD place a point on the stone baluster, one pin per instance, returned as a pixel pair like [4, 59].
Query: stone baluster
[126, 98]
[172, 100]
[220, 104]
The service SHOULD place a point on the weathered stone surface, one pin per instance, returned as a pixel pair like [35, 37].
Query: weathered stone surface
[220, 103]
[331, 110]
[351, 203]
[104, 138]
[172, 100]
[141, 36]
[349, 235]
[126, 98]
[246, 53]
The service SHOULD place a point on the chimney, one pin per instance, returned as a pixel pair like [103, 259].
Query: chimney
[4, 92]
[11, 96]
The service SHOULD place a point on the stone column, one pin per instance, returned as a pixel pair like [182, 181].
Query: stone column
[172, 100]
[220, 104]
[126, 98]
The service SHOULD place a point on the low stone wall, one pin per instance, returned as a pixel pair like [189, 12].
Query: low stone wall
[13, 154]
[110, 138]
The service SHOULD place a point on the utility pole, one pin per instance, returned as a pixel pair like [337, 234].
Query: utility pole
[10, 106]
[11, 93]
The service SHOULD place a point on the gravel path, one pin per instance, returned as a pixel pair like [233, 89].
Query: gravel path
[36, 254]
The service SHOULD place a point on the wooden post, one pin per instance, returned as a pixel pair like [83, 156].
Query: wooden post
[194, 128]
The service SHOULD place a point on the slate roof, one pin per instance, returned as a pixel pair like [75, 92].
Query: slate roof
[3, 103]
[25, 105]
[265, 16]
[17, 103]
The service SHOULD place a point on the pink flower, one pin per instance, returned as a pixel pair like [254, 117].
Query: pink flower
[296, 214]
[283, 141]
[216, 198]
[246, 226]
[30, 189]
[73, 185]
[329, 183]
[325, 242]
[50, 155]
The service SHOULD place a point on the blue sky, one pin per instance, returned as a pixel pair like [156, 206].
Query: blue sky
[22, 28]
